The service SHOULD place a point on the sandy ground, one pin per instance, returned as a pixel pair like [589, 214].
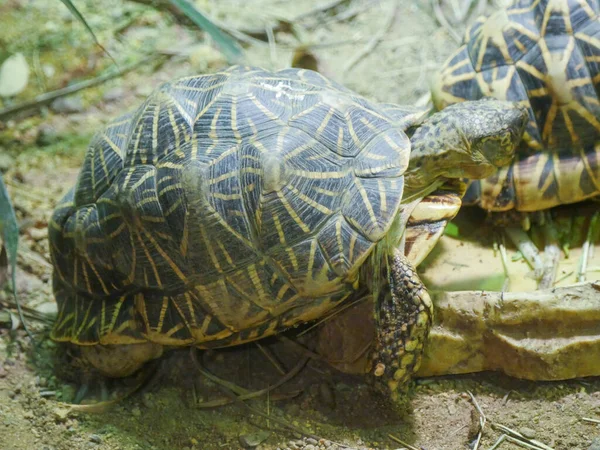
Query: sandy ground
[40, 157]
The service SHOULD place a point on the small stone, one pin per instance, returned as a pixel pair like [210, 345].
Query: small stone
[60, 414]
[310, 447]
[292, 445]
[136, 412]
[46, 135]
[6, 161]
[113, 94]
[147, 400]
[527, 432]
[595, 444]
[38, 234]
[252, 440]
[67, 105]
[49, 308]
[95, 439]
[3, 372]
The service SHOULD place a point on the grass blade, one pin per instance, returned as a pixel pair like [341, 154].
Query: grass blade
[69, 4]
[10, 237]
[228, 46]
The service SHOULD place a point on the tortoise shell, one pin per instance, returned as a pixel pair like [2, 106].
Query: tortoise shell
[545, 55]
[225, 208]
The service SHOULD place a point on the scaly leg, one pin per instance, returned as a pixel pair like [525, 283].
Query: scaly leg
[403, 316]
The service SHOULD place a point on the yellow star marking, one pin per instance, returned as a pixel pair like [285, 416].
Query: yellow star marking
[115, 314]
[310, 201]
[150, 259]
[366, 201]
[293, 258]
[279, 229]
[183, 247]
[165, 256]
[292, 212]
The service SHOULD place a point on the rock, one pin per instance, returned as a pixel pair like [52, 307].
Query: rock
[252, 440]
[46, 135]
[38, 234]
[527, 432]
[147, 400]
[60, 414]
[310, 447]
[311, 441]
[3, 372]
[6, 161]
[113, 94]
[136, 412]
[49, 308]
[68, 105]
[95, 439]
[595, 444]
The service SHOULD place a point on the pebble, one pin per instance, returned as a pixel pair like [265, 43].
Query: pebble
[60, 414]
[527, 432]
[3, 372]
[252, 440]
[311, 441]
[95, 438]
[38, 234]
[310, 447]
[6, 161]
[595, 444]
[46, 135]
[147, 400]
[67, 105]
[113, 94]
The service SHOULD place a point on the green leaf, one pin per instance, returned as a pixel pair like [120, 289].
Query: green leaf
[10, 240]
[228, 46]
[452, 230]
[69, 4]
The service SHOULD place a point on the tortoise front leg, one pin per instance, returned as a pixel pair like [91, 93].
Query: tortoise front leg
[403, 316]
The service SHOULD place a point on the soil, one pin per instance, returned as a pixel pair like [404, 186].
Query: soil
[40, 155]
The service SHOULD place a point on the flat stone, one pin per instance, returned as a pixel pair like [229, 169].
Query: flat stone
[252, 440]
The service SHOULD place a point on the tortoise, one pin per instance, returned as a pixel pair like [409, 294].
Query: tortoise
[231, 206]
[544, 55]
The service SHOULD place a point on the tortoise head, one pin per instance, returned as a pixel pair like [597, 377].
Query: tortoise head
[466, 140]
[493, 129]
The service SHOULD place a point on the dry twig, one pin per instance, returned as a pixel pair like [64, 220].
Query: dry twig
[241, 393]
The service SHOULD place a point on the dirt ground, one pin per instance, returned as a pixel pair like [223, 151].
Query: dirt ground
[385, 50]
